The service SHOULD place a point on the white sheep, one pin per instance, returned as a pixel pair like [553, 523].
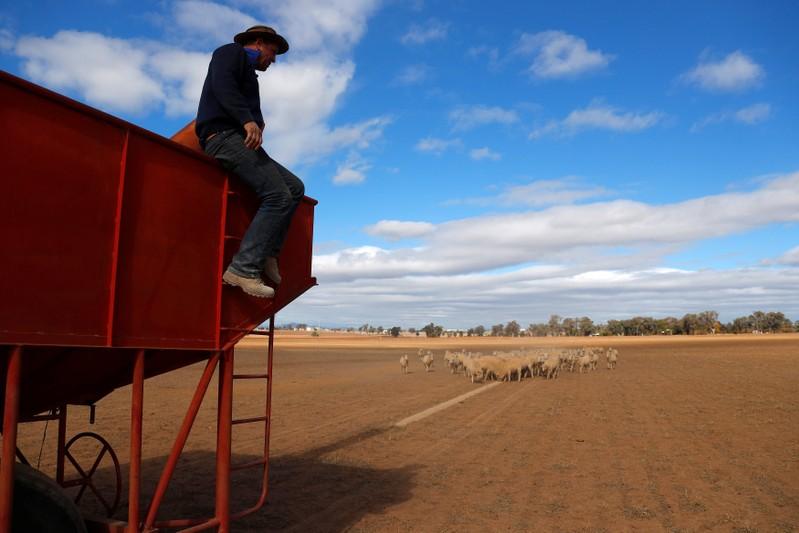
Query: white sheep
[427, 361]
[550, 367]
[454, 361]
[472, 367]
[584, 362]
[595, 357]
[404, 363]
[612, 356]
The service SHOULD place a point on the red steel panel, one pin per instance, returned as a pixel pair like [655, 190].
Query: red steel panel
[168, 277]
[59, 187]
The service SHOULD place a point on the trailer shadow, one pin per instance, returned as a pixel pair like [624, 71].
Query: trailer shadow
[307, 492]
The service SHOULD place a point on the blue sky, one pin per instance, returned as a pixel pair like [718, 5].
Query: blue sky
[475, 166]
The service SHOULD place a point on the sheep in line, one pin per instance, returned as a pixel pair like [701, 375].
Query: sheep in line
[516, 365]
[584, 363]
[454, 361]
[595, 357]
[472, 367]
[551, 367]
[404, 363]
[427, 361]
[612, 357]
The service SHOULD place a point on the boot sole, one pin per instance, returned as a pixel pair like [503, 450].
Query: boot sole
[251, 293]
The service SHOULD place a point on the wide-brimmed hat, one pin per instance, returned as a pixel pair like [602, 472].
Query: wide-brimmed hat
[267, 34]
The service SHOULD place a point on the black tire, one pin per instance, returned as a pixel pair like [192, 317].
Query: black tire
[41, 506]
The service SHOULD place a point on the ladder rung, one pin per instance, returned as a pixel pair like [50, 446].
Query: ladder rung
[250, 376]
[249, 420]
[251, 464]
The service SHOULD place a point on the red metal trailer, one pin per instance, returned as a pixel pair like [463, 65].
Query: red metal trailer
[114, 241]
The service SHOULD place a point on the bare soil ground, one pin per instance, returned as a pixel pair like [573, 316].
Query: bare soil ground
[687, 434]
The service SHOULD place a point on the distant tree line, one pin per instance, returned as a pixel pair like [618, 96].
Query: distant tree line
[704, 323]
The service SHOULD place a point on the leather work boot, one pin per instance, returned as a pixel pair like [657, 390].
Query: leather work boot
[252, 286]
[271, 270]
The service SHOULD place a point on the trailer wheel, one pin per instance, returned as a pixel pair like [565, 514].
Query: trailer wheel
[92, 445]
[41, 505]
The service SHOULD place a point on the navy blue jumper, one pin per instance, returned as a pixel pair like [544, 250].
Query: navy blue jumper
[230, 96]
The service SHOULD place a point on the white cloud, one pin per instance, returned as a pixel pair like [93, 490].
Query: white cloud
[550, 192]
[305, 94]
[533, 294]
[736, 72]
[469, 117]
[490, 54]
[395, 230]
[539, 193]
[314, 25]
[92, 64]
[565, 231]
[299, 94]
[352, 171]
[603, 260]
[412, 75]
[753, 114]
[348, 176]
[560, 55]
[432, 30]
[181, 75]
[437, 146]
[484, 153]
[7, 40]
[209, 21]
[791, 257]
[598, 116]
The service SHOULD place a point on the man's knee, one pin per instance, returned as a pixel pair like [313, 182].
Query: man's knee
[299, 190]
[278, 200]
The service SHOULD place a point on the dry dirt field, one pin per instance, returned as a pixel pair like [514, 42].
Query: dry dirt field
[687, 434]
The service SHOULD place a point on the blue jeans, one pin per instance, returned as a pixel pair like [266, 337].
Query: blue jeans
[278, 190]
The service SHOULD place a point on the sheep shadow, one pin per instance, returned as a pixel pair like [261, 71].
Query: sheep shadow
[307, 492]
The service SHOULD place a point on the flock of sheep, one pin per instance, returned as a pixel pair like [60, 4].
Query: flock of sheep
[517, 364]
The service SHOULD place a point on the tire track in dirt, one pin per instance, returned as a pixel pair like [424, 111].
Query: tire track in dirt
[422, 458]
[510, 459]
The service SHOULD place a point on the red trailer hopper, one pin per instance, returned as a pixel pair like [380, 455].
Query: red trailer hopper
[114, 241]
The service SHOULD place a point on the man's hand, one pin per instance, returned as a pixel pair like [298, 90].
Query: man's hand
[253, 138]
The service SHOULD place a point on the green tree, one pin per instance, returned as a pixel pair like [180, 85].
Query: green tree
[395, 331]
[615, 327]
[538, 330]
[433, 330]
[586, 326]
[776, 322]
[554, 325]
[708, 322]
[512, 329]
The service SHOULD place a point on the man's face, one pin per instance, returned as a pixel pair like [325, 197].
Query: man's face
[268, 54]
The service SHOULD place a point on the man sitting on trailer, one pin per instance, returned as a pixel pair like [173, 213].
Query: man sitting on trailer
[229, 126]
